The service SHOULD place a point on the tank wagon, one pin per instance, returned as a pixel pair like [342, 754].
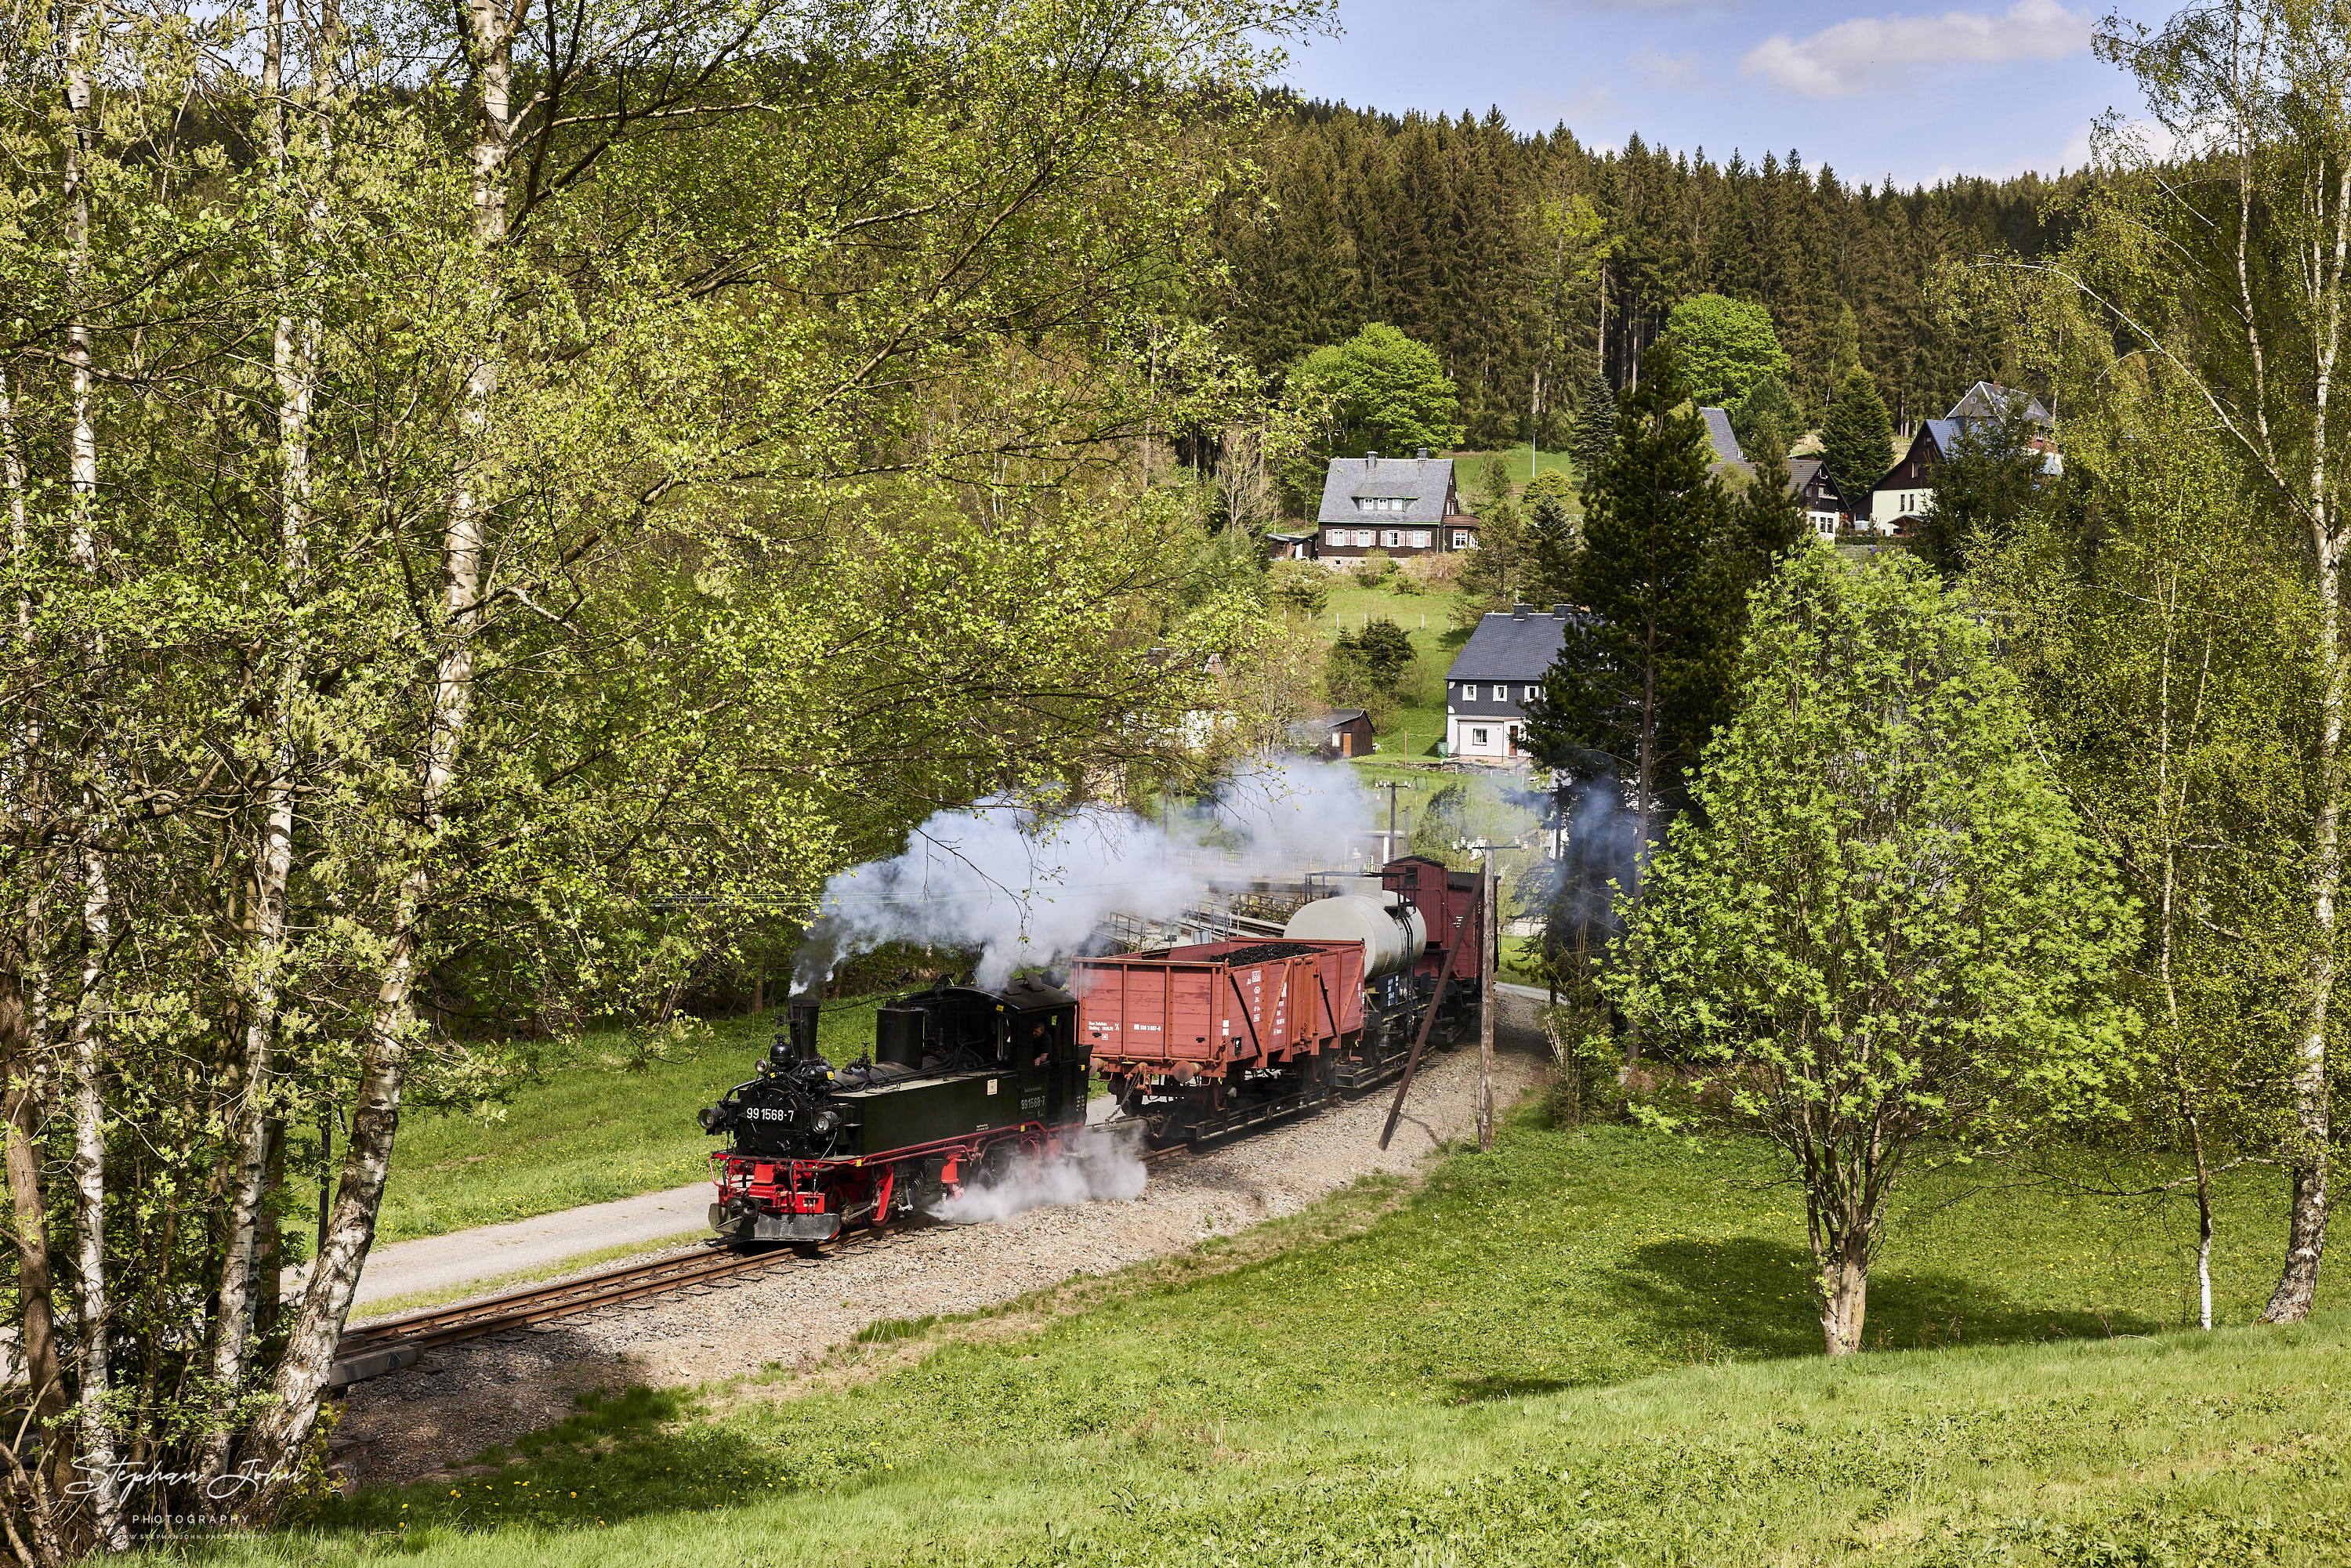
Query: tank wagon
[961, 1083]
[1210, 1038]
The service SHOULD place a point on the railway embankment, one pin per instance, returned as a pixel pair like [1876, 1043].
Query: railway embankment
[799, 1312]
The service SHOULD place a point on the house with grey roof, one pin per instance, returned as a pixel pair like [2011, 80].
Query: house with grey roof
[1810, 481]
[1405, 506]
[1496, 674]
[1898, 501]
[1990, 400]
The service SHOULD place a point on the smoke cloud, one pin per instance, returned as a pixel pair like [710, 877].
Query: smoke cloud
[1098, 1167]
[1029, 887]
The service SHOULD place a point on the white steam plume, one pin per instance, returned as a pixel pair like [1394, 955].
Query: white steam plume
[1097, 1166]
[1029, 888]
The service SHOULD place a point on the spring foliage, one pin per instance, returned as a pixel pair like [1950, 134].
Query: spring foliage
[1882, 929]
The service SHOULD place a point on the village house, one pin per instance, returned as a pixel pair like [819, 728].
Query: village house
[1405, 506]
[1899, 501]
[1497, 673]
[1825, 504]
[1343, 732]
[1723, 440]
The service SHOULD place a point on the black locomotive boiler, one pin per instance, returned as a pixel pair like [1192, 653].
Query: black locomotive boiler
[962, 1083]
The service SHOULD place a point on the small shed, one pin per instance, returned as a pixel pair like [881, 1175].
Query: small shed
[1344, 732]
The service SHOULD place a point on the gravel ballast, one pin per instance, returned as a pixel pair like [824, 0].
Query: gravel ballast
[461, 1399]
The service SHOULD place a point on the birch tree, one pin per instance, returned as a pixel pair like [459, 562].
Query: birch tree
[2234, 274]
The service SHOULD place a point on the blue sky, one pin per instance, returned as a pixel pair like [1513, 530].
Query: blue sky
[1917, 92]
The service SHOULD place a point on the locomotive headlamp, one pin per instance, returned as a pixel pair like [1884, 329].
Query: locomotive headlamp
[716, 1118]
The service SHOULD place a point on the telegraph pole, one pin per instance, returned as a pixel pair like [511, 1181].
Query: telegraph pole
[1489, 946]
[1389, 842]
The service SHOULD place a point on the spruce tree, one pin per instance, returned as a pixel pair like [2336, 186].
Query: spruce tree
[1595, 426]
[1553, 537]
[1858, 437]
[1767, 422]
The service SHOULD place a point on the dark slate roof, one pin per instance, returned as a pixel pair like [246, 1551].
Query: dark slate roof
[1988, 400]
[1423, 480]
[1718, 431]
[1505, 648]
[1337, 718]
[1801, 472]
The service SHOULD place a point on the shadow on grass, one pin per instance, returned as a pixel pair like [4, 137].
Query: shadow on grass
[1745, 1296]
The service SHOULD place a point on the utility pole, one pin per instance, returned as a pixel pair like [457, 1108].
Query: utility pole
[1490, 946]
[1388, 842]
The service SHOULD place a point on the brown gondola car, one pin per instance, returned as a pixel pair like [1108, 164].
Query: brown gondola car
[1208, 1039]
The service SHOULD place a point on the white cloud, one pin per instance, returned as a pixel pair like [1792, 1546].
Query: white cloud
[1685, 72]
[1880, 51]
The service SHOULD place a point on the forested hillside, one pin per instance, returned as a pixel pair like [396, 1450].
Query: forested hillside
[1531, 261]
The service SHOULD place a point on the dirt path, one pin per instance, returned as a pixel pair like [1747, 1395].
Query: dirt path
[461, 1399]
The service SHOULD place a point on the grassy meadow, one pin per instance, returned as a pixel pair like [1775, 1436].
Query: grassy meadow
[1592, 1347]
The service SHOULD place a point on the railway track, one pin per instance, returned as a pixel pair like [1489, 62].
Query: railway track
[388, 1345]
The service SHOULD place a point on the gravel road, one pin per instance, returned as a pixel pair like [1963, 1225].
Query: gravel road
[460, 1399]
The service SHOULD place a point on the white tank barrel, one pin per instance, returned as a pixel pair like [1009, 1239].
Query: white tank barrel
[1389, 927]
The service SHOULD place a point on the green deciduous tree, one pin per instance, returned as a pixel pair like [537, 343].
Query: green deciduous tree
[1385, 393]
[1883, 938]
[2164, 662]
[1858, 437]
[1724, 347]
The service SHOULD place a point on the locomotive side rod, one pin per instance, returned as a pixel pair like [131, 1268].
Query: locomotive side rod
[1427, 1022]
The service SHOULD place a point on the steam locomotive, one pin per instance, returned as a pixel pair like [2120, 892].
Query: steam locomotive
[962, 1082]
[965, 1083]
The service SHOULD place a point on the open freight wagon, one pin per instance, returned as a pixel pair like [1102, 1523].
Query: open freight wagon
[1214, 1037]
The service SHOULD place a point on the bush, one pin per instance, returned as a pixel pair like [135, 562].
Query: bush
[1299, 586]
[1368, 669]
[1376, 568]
[1430, 573]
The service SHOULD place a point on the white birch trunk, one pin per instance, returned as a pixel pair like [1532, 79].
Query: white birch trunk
[85, 1051]
[294, 362]
[367, 1158]
[2307, 1219]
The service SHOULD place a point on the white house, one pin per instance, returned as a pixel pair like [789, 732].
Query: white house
[1497, 673]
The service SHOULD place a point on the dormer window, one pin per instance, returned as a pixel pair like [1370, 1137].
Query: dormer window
[1381, 503]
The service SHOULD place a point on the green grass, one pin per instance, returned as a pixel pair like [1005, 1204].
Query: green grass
[1414, 728]
[1583, 1348]
[1469, 469]
[589, 1130]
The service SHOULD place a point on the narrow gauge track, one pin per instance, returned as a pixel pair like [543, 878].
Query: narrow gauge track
[387, 1345]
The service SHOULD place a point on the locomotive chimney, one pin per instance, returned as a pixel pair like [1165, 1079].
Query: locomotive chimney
[800, 1020]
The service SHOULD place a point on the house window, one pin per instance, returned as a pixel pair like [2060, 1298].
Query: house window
[1478, 738]
[1469, 691]
[1460, 539]
[1528, 694]
[1420, 538]
[1395, 538]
